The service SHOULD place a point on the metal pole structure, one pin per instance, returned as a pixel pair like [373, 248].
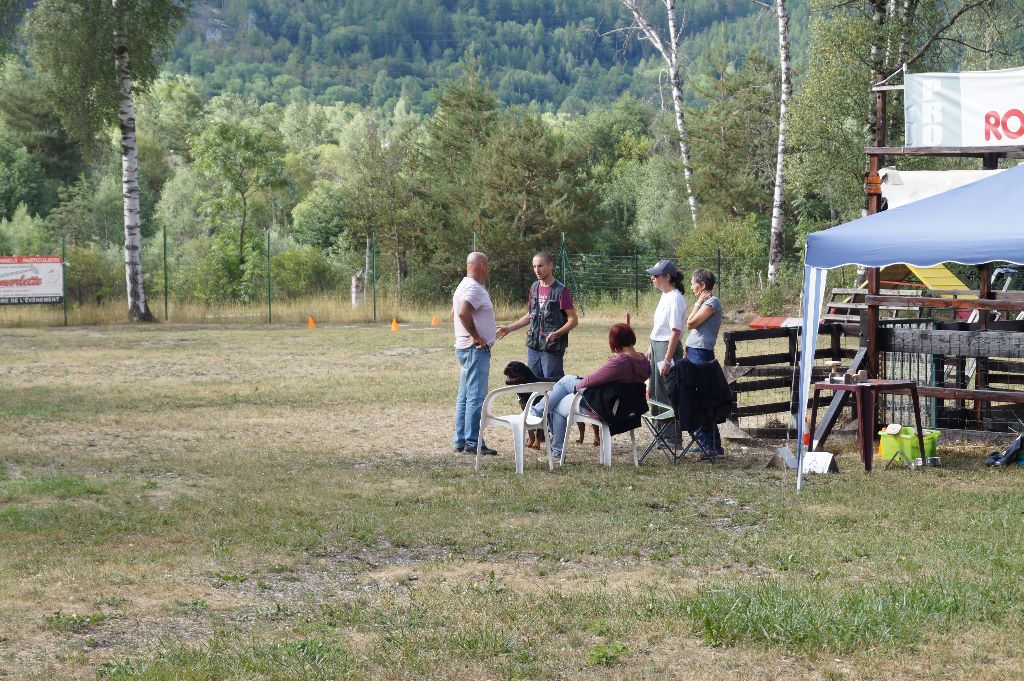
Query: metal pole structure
[721, 279]
[373, 266]
[636, 282]
[565, 259]
[474, 241]
[166, 318]
[64, 272]
[270, 295]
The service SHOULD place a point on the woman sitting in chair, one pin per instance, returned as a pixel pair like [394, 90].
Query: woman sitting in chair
[626, 365]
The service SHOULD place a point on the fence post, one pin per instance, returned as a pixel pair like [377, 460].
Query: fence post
[373, 267]
[565, 259]
[64, 267]
[166, 318]
[721, 276]
[636, 282]
[270, 295]
[730, 348]
[569, 278]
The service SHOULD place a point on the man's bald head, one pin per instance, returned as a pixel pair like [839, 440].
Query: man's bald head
[477, 266]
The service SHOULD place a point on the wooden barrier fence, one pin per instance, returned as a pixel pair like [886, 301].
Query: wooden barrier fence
[771, 372]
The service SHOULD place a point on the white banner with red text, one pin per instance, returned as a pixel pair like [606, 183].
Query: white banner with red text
[31, 279]
[973, 109]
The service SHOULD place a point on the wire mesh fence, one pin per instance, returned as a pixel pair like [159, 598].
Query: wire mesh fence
[259, 287]
[593, 276]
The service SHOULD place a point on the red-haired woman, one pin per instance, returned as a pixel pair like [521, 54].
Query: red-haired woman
[626, 365]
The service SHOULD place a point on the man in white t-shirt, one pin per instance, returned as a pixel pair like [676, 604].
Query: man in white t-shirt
[475, 329]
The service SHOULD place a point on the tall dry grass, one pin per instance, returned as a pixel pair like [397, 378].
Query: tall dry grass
[329, 309]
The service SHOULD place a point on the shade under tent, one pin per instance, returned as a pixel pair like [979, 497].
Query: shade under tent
[972, 224]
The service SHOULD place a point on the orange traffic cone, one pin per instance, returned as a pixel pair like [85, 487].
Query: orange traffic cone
[394, 325]
[433, 320]
[310, 322]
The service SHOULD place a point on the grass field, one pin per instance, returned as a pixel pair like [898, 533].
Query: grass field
[189, 502]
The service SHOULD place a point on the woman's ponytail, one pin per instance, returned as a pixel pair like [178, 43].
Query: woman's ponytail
[677, 281]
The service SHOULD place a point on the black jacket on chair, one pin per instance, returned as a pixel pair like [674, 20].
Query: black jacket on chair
[620, 405]
[700, 393]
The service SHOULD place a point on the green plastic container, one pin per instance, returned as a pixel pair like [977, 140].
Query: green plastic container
[910, 447]
[907, 441]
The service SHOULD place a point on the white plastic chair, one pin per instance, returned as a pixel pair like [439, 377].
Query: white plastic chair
[519, 422]
[577, 415]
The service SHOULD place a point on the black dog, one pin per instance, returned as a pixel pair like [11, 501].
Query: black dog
[517, 373]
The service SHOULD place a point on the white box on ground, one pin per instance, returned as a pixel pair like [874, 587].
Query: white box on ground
[820, 462]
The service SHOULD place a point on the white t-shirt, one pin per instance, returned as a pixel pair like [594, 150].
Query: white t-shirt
[474, 293]
[670, 314]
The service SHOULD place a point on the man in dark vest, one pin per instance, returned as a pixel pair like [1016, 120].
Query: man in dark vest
[550, 316]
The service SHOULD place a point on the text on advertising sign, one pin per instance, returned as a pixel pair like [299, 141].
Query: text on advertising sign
[974, 109]
[31, 280]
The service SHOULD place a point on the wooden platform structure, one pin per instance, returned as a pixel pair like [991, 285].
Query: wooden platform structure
[984, 341]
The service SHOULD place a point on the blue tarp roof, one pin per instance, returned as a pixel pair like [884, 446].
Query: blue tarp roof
[977, 223]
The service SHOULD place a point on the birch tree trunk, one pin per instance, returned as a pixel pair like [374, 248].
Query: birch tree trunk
[138, 309]
[776, 243]
[669, 49]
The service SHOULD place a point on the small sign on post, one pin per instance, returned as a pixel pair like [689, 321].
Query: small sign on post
[31, 280]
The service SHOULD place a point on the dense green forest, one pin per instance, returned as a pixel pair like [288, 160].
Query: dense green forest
[321, 127]
[557, 55]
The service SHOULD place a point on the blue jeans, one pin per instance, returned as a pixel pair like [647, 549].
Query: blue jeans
[546, 365]
[475, 364]
[708, 436]
[558, 410]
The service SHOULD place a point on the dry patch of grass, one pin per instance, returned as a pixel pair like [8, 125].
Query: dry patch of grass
[256, 502]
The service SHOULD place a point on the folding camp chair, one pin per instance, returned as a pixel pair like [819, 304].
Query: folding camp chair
[661, 422]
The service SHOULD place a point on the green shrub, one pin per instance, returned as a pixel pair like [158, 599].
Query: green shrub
[771, 301]
[25, 234]
[213, 273]
[94, 275]
[303, 270]
[742, 240]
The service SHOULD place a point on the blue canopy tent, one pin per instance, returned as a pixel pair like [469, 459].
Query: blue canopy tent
[973, 224]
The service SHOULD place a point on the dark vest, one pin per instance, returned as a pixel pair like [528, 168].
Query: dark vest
[551, 318]
[620, 405]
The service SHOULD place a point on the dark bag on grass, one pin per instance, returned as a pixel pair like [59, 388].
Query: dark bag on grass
[1008, 455]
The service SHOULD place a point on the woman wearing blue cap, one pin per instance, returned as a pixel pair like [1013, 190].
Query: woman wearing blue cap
[669, 324]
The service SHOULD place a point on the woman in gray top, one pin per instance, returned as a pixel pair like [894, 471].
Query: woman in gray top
[703, 322]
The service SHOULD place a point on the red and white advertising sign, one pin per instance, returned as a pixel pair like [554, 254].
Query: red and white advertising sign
[31, 279]
[970, 109]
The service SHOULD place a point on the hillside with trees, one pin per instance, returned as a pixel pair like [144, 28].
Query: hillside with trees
[557, 55]
[326, 138]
